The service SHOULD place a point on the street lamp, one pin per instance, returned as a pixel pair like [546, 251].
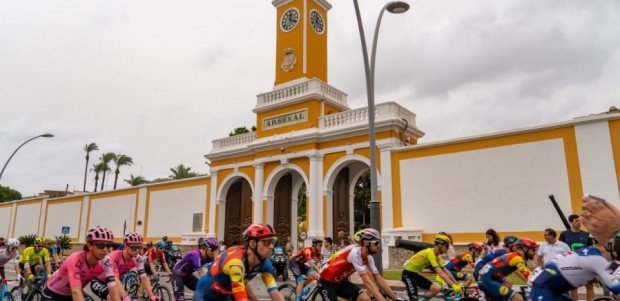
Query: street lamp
[46, 135]
[395, 7]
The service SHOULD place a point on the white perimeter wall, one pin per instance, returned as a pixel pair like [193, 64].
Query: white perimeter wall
[172, 211]
[112, 212]
[503, 187]
[27, 219]
[5, 221]
[63, 215]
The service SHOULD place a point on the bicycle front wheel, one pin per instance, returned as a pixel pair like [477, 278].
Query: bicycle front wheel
[36, 295]
[163, 293]
[287, 291]
[316, 295]
[7, 297]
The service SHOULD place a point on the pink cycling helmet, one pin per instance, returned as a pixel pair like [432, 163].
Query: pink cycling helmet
[133, 238]
[99, 234]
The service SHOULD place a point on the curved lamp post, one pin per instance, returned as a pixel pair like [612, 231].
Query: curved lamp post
[46, 135]
[395, 7]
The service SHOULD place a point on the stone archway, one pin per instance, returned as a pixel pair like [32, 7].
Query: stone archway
[238, 214]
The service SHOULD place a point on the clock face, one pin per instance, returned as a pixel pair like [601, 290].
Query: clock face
[317, 21]
[290, 19]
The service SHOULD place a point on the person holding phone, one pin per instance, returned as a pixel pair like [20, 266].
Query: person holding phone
[491, 244]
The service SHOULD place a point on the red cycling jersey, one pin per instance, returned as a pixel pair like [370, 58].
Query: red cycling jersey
[346, 262]
[151, 256]
[308, 253]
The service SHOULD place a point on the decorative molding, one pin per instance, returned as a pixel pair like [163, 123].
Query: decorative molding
[323, 4]
[278, 3]
[290, 60]
[304, 90]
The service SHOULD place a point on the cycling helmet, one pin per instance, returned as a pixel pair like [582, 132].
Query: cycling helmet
[368, 234]
[160, 244]
[99, 234]
[38, 240]
[509, 240]
[526, 244]
[474, 247]
[12, 242]
[211, 243]
[316, 241]
[49, 240]
[133, 238]
[258, 231]
[164, 238]
[442, 239]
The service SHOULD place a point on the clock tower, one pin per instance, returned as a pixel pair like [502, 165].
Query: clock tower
[301, 43]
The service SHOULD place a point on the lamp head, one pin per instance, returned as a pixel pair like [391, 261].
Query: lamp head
[47, 135]
[397, 7]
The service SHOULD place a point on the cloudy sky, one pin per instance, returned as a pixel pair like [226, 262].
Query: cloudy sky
[159, 80]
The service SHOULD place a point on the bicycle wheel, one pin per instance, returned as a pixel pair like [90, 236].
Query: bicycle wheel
[287, 291]
[15, 292]
[163, 293]
[132, 290]
[7, 297]
[316, 295]
[36, 295]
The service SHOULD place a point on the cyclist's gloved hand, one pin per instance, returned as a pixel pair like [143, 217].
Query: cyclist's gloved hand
[49, 276]
[154, 298]
[31, 277]
[20, 277]
[127, 298]
[457, 288]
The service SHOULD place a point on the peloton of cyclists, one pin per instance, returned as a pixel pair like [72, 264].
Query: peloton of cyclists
[305, 263]
[494, 273]
[34, 256]
[228, 276]
[508, 247]
[193, 261]
[352, 259]
[81, 267]
[456, 264]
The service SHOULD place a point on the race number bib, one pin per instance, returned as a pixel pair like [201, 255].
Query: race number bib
[535, 273]
[485, 269]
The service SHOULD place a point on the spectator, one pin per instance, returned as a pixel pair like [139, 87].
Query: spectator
[550, 247]
[491, 244]
[577, 239]
[222, 247]
[328, 250]
[600, 217]
[341, 241]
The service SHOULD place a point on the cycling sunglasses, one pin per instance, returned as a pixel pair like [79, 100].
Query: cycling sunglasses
[135, 248]
[268, 241]
[101, 245]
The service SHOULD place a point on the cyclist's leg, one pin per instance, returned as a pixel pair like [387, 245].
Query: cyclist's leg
[410, 280]
[179, 287]
[327, 290]
[350, 291]
[190, 282]
[496, 290]
[296, 269]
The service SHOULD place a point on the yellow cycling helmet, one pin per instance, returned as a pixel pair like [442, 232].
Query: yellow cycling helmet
[49, 240]
[442, 239]
[38, 240]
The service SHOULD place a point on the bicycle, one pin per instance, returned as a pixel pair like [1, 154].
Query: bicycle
[129, 279]
[34, 294]
[5, 294]
[159, 290]
[174, 289]
[287, 291]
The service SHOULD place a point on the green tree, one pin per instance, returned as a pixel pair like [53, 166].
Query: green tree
[88, 148]
[135, 181]
[301, 204]
[97, 169]
[361, 199]
[241, 130]
[182, 172]
[7, 194]
[106, 159]
[120, 160]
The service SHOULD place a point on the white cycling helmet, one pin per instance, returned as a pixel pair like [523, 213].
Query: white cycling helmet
[13, 242]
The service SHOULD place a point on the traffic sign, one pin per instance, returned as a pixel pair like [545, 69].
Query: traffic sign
[65, 230]
[303, 235]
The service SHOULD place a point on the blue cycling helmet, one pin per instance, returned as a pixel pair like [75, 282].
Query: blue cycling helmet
[160, 244]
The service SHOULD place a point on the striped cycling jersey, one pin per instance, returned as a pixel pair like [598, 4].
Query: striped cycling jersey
[459, 261]
[505, 265]
[346, 262]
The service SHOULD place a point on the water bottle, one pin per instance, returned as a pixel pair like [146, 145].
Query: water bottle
[305, 292]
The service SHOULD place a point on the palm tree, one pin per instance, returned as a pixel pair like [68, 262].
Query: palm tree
[105, 159]
[121, 160]
[182, 172]
[88, 149]
[135, 181]
[97, 168]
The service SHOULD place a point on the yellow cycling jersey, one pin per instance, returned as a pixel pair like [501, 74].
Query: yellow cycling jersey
[422, 259]
[29, 255]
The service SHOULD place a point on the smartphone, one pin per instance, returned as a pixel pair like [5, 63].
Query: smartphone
[602, 200]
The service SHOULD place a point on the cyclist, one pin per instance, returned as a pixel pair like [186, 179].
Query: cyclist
[420, 260]
[52, 248]
[81, 267]
[182, 273]
[304, 262]
[569, 270]
[10, 254]
[145, 249]
[228, 276]
[122, 262]
[493, 274]
[153, 254]
[508, 242]
[456, 264]
[354, 258]
[32, 256]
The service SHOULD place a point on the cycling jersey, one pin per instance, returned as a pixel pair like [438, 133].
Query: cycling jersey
[120, 267]
[486, 258]
[190, 263]
[6, 258]
[568, 271]
[75, 272]
[32, 257]
[346, 262]
[228, 274]
[459, 261]
[151, 256]
[493, 274]
[304, 255]
[53, 249]
[422, 259]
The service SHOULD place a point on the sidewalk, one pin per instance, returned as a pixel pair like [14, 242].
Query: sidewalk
[399, 286]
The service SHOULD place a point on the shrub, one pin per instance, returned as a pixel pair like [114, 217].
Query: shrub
[27, 240]
[63, 242]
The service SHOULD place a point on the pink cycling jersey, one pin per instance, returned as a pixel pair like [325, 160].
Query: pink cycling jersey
[120, 266]
[75, 272]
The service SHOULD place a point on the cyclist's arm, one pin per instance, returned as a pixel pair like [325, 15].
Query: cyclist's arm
[384, 286]
[371, 287]
[250, 292]
[276, 296]
[445, 275]
[235, 269]
[121, 288]
[165, 264]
